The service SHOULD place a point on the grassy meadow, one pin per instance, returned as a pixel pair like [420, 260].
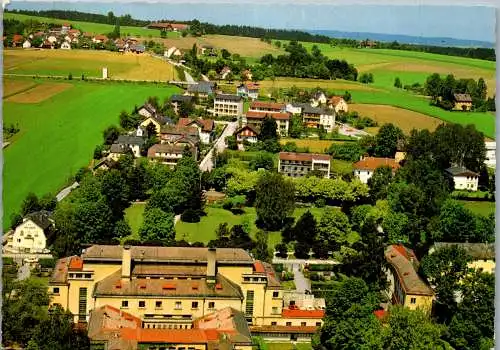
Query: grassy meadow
[86, 62]
[58, 135]
[479, 207]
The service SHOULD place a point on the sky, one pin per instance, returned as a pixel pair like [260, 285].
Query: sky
[460, 22]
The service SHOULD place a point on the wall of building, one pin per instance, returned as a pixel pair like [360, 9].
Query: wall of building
[29, 236]
[363, 175]
[422, 302]
[459, 106]
[466, 182]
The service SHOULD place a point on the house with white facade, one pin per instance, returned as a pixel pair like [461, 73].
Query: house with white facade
[463, 178]
[318, 98]
[315, 117]
[66, 46]
[226, 105]
[338, 104]
[147, 110]
[491, 151]
[247, 133]
[135, 143]
[26, 44]
[205, 127]
[300, 164]
[31, 235]
[248, 90]
[364, 169]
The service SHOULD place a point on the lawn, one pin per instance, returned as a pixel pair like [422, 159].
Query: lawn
[96, 28]
[204, 231]
[479, 207]
[86, 62]
[133, 215]
[315, 146]
[58, 135]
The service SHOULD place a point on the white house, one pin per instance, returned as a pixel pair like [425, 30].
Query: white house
[26, 44]
[491, 148]
[228, 105]
[30, 235]
[172, 52]
[319, 98]
[249, 90]
[364, 169]
[463, 178]
[66, 46]
[315, 117]
[133, 142]
[247, 133]
[52, 39]
[147, 110]
[206, 128]
[338, 103]
[224, 72]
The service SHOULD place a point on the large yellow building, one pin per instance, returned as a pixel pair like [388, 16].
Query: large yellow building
[407, 288]
[171, 287]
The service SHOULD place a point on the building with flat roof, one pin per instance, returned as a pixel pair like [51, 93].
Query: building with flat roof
[300, 164]
[228, 105]
[173, 287]
[407, 288]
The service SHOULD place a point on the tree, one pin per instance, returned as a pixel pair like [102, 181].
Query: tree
[379, 182]
[30, 204]
[48, 202]
[296, 127]
[268, 129]
[387, 140]
[455, 224]
[274, 200]
[157, 226]
[225, 54]
[261, 250]
[111, 134]
[116, 192]
[397, 83]
[433, 86]
[305, 230]
[93, 221]
[262, 160]
[58, 332]
[472, 326]
[333, 229]
[412, 330]
[444, 269]
[98, 152]
[122, 229]
[23, 310]
[282, 250]
[231, 142]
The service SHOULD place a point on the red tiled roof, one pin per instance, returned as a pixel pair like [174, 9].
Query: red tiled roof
[334, 100]
[258, 267]
[372, 163]
[303, 156]
[252, 86]
[76, 263]
[101, 37]
[262, 115]
[17, 38]
[268, 105]
[288, 313]
[207, 125]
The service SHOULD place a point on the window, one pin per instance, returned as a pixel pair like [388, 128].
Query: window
[289, 324]
[142, 303]
[82, 305]
[276, 294]
[88, 275]
[318, 324]
[56, 290]
[178, 305]
[124, 303]
[211, 305]
[413, 300]
[303, 324]
[194, 305]
[249, 303]
[273, 323]
[158, 304]
[275, 310]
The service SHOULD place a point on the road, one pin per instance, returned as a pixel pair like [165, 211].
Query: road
[65, 191]
[206, 164]
[301, 283]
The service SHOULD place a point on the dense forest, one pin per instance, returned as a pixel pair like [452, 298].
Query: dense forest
[276, 34]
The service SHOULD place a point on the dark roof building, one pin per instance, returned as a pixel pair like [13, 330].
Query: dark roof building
[460, 171]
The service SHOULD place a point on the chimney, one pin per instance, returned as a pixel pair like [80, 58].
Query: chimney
[211, 268]
[126, 261]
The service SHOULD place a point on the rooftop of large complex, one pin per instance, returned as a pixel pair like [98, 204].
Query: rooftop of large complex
[405, 263]
[267, 105]
[303, 157]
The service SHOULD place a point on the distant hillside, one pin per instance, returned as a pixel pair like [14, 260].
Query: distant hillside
[407, 39]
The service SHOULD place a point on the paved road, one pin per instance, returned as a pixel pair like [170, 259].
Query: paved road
[345, 129]
[301, 283]
[207, 164]
[303, 261]
[24, 272]
[65, 191]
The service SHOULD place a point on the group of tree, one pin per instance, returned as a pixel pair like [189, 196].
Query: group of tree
[28, 322]
[366, 78]
[298, 62]
[442, 91]
[32, 204]
[351, 324]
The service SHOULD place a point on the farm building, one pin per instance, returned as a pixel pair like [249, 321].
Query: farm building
[338, 103]
[462, 102]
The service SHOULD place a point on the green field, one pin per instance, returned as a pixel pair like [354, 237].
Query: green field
[133, 215]
[479, 207]
[58, 135]
[96, 28]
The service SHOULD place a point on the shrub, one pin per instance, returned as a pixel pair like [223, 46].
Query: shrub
[47, 263]
[278, 267]
[190, 215]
